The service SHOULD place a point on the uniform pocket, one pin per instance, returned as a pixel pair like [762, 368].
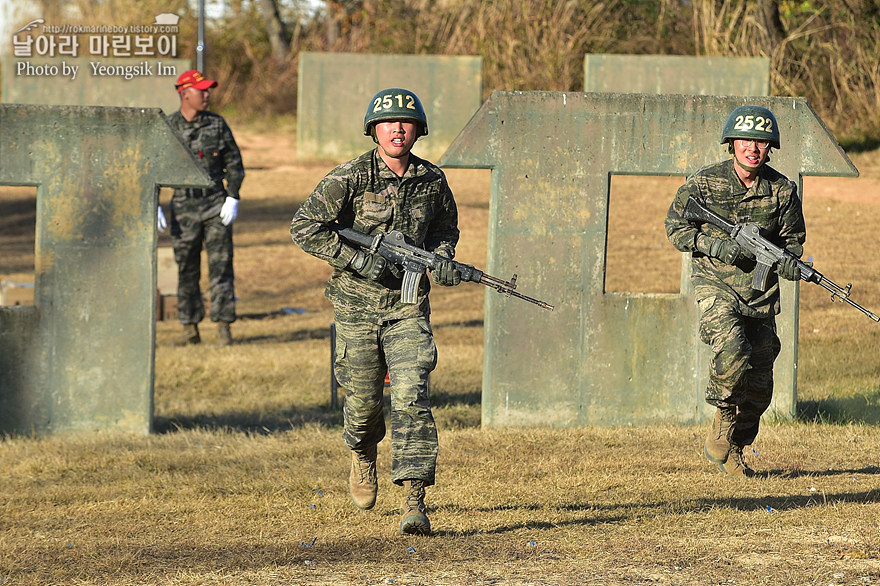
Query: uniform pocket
[374, 209]
[706, 306]
[419, 213]
[339, 357]
[428, 349]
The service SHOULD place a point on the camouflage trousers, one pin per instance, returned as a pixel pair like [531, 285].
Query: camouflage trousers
[194, 221]
[404, 349]
[741, 371]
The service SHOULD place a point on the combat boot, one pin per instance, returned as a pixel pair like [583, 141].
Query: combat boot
[717, 443]
[736, 464]
[363, 483]
[414, 520]
[190, 335]
[224, 336]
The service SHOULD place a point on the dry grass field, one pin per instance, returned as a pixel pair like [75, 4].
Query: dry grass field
[244, 479]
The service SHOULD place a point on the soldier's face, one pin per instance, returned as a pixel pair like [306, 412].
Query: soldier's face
[196, 99]
[397, 137]
[750, 155]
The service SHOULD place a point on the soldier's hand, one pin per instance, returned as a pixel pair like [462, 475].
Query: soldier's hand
[229, 211]
[446, 274]
[161, 222]
[727, 250]
[371, 266]
[788, 269]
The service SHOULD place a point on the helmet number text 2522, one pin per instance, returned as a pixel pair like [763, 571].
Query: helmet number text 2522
[754, 122]
[387, 101]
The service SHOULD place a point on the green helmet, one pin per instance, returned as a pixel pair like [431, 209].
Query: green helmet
[395, 104]
[751, 123]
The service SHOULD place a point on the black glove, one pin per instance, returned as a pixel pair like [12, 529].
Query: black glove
[724, 249]
[371, 266]
[788, 269]
[446, 274]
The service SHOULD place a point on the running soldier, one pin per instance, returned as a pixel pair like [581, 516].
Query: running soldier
[737, 321]
[204, 215]
[386, 188]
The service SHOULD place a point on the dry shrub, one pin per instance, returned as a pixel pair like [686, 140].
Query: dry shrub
[827, 51]
[524, 45]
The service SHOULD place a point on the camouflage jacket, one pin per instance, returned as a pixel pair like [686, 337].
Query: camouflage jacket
[772, 202]
[210, 140]
[366, 195]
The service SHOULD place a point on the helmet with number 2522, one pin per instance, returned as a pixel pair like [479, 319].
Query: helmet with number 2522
[395, 104]
[751, 123]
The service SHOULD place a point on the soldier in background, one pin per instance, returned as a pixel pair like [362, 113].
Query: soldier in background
[386, 188]
[204, 215]
[737, 321]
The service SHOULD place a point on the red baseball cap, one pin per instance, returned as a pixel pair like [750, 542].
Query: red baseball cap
[193, 78]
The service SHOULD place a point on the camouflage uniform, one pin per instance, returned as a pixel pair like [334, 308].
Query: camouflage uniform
[376, 333]
[195, 217]
[738, 322]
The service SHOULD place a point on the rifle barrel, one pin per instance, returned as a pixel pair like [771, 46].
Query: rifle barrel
[838, 293]
[508, 288]
[538, 302]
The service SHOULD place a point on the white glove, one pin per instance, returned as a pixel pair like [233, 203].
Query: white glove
[229, 211]
[162, 223]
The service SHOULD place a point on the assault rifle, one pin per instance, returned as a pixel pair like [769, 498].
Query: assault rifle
[748, 235]
[394, 248]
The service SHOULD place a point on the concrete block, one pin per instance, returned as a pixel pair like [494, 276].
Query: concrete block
[335, 89]
[677, 74]
[605, 358]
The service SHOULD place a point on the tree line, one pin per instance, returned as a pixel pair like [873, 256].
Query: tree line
[825, 50]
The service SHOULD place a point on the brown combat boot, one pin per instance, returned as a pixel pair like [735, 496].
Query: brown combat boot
[414, 520]
[190, 335]
[717, 444]
[736, 464]
[224, 336]
[363, 483]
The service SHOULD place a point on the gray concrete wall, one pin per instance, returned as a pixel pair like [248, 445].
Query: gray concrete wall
[600, 358]
[335, 89]
[677, 74]
[81, 358]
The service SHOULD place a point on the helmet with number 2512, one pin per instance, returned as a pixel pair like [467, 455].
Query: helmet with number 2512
[395, 104]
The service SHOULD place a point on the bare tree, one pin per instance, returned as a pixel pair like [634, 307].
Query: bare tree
[279, 37]
[768, 17]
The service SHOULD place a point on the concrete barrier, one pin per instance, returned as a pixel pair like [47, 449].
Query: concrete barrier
[606, 358]
[334, 89]
[677, 74]
[81, 357]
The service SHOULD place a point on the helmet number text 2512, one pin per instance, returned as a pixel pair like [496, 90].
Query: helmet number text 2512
[387, 101]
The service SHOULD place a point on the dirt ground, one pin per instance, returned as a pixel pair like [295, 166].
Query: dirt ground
[196, 503]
